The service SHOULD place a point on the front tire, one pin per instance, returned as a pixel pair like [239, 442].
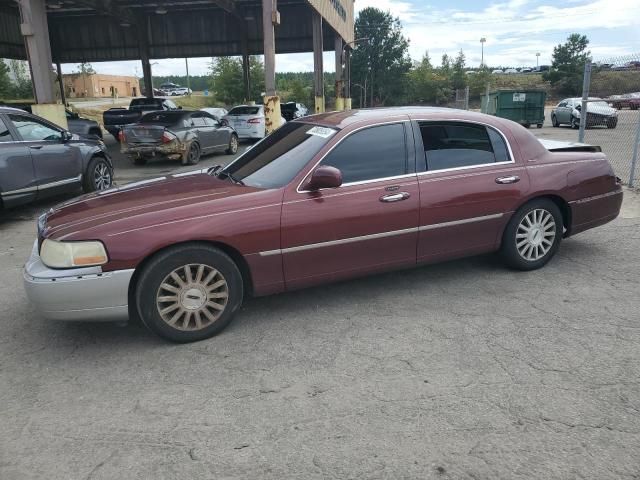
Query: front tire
[189, 293]
[575, 123]
[233, 145]
[554, 121]
[533, 235]
[99, 175]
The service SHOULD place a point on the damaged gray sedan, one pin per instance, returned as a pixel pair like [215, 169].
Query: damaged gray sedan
[179, 135]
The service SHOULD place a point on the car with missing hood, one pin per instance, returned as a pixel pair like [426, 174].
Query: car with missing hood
[182, 135]
[324, 198]
[599, 112]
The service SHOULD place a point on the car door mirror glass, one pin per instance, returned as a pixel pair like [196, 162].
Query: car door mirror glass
[324, 176]
[224, 122]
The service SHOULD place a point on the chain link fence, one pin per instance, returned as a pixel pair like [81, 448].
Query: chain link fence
[611, 99]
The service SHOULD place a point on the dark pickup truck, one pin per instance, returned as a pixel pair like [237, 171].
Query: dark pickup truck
[116, 118]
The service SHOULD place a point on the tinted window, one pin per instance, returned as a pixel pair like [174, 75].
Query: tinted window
[33, 130]
[244, 111]
[5, 134]
[279, 157]
[376, 152]
[197, 120]
[162, 118]
[453, 145]
[145, 104]
[210, 122]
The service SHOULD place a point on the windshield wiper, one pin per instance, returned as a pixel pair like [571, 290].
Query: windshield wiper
[233, 179]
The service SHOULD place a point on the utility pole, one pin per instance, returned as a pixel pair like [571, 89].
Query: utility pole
[186, 64]
[482, 41]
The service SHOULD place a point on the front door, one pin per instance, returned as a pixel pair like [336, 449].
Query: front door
[368, 224]
[219, 137]
[56, 163]
[17, 179]
[468, 189]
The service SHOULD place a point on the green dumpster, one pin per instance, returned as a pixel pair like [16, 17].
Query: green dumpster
[525, 107]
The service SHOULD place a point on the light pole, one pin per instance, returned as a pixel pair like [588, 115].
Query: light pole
[537, 59]
[482, 41]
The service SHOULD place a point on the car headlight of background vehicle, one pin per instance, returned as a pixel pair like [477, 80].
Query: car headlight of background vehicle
[56, 254]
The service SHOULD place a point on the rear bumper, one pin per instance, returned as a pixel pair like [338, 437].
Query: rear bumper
[594, 211]
[86, 294]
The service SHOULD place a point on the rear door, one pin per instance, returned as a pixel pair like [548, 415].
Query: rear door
[17, 177]
[469, 186]
[219, 135]
[368, 224]
[205, 133]
[57, 164]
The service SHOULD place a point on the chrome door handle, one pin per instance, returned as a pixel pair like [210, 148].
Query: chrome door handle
[395, 197]
[504, 180]
[35, 147]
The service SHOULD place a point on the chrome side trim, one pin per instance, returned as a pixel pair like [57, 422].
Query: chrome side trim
[373, 236]
[469, 167]
[59, 183]
[343, 241]
[19, 191]
[298, 190]
[460, 222]
[595, 197]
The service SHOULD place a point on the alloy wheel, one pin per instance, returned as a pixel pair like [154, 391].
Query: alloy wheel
[234, 144]
[192, 297]
[102, 176]
[535, 234]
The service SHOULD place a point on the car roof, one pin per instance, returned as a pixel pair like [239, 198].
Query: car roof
[4, 109]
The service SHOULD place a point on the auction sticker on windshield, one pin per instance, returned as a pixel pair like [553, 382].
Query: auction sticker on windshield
[321, 132]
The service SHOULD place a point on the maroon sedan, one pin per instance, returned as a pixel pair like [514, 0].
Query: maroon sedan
[324, 198]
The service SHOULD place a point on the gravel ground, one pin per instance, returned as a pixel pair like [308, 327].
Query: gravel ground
[463, 370]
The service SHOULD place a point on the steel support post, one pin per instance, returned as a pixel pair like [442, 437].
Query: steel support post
[318, 68]
[271, 100]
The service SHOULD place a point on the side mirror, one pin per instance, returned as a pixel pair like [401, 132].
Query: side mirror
[578, 107]
[66, 136]
[224, 122]
[324, 177]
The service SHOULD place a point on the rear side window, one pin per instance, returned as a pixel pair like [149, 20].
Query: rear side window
[375, 152]
[5, 134]
[244, 111]
[455, 145]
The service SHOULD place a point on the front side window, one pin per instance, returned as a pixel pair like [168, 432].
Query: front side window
[455, 145]
[369, 154]
[5, 134]
[33, 130]
[278, 158]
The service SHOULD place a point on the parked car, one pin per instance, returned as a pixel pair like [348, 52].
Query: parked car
[182, 134]
[526, 70]
[177, 92]
[76, 124]
[248, 121]
[292, 110]
[217, 113]
[156, 92]
[40, 159]
[598, 113]
[628, 100]
[497, 71]
[325, 198]
[116, 118]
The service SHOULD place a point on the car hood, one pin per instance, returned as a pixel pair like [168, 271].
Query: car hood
[140, 204]
[600, 109]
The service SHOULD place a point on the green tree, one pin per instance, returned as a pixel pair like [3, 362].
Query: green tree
[567, 68]
[85, 68]
[383, 61]
[256, 69]
[5, 82]
[23, 87]
[226, 80]
[458, 75]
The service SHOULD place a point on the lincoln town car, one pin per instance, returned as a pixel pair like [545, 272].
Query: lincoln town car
[324, 198]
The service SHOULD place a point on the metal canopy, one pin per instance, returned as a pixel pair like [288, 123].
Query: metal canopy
[108, 30]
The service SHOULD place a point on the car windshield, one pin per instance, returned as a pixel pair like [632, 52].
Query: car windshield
[162, 118]
[277, 159]
[244, 111]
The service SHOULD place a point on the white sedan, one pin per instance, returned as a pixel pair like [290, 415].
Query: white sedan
[248, 121]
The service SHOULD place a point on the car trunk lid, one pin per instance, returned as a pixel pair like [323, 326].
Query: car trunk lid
[143, 134]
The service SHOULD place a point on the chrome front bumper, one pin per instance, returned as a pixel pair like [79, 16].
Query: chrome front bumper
[87, 294]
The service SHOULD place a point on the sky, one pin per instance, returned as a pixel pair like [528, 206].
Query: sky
[515, 30]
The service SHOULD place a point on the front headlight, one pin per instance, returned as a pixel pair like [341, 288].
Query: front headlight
[56, 254]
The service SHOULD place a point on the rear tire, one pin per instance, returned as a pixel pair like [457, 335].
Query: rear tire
[193, 155]
[98, 176]
[533, 235]
[233, 145]
[189, 293]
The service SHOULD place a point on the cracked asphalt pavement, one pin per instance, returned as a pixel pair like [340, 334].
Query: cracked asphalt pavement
[463, 370]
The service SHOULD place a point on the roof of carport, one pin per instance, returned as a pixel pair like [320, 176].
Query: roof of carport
[92, 30]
